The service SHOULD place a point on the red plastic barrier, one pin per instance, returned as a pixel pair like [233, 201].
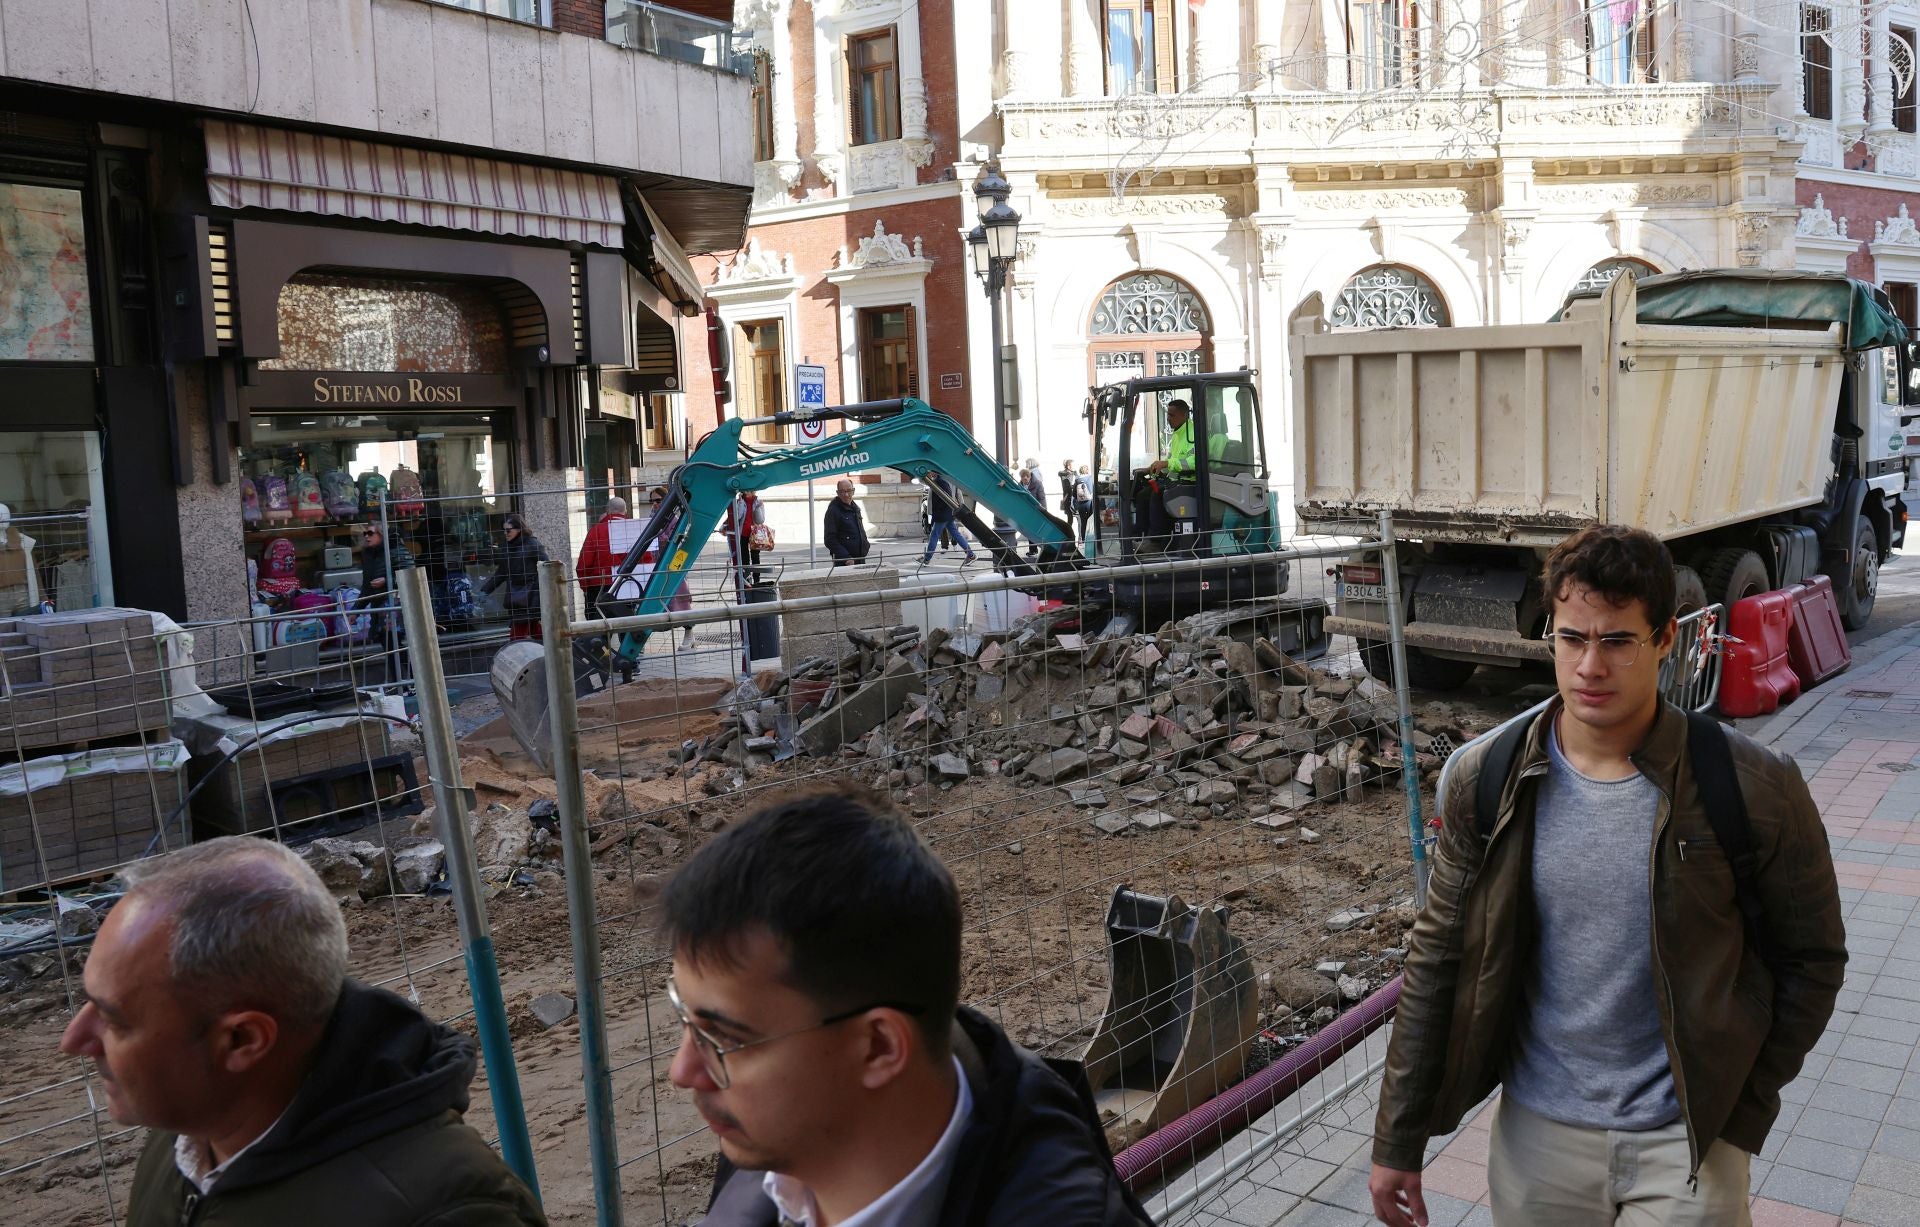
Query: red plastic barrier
[1817, 643]
[1758, 677]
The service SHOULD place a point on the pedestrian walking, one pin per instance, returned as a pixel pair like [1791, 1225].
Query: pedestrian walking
[748, 535]
[845, 532]
[816, 975]
[1067, 475]
[517, 569]
[1083, 502]
[1036, 486]
[594, 568]
[942, 505]
[1640, 966]
[219, 1015]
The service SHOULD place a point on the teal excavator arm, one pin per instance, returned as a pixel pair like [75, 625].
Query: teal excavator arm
[909, 435]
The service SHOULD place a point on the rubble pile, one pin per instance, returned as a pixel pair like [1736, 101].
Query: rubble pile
[355, 869]
[1165, 728]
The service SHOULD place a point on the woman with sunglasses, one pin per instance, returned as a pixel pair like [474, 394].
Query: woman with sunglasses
[517, 566]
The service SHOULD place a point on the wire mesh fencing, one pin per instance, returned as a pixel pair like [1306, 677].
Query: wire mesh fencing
[1182, 820]
[125, 736]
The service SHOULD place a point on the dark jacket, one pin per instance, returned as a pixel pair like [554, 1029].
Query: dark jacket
[374, 563]
[846, 532]
[374, 1138]
[517, 565]
[1737, 1030]
[941, 499]
[1032, 1153]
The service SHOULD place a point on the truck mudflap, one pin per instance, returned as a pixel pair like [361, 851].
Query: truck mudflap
[1474, 641]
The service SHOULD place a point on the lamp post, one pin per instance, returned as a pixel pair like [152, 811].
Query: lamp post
[993, 244]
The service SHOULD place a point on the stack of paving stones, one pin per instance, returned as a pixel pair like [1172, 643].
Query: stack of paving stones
[238, 800]
[69, 683]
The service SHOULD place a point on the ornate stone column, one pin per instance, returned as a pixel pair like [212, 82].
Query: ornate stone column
[1033, 49]
[1216, 48]
[1086, 53]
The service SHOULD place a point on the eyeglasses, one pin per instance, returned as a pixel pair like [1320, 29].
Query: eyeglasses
[714, 1052]
[1617, 650]
[369, 535]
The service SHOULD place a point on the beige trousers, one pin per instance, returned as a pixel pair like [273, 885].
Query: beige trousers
[1541, 1173]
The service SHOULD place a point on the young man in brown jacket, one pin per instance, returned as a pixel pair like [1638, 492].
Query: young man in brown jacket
[1588, 953]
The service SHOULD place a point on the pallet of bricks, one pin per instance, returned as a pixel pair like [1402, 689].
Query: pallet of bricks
[89, 771]
[240, 801]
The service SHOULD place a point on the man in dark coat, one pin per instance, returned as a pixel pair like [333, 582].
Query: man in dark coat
[846, 532]
[278, 1092]
[817, 975]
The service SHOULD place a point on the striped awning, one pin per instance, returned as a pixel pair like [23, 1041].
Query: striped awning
[303, 172]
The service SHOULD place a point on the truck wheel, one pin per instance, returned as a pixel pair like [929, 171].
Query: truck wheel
[1857, 588]
[1733, 574]
[1689, 594]
[1424, 672]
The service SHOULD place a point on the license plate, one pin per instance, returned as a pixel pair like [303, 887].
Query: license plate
[1364, 592]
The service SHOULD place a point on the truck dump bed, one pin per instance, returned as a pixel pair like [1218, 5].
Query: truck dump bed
[1520, 433]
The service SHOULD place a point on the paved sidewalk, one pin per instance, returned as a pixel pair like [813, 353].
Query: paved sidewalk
[1847, 1145]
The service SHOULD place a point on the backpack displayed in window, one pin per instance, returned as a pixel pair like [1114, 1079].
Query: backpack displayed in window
[274, 507]
[373, 494]
[314, 619]
[249, 503]
[405, 493]
[341, 496]
[356, 625]
[279, 569]
[303, 489]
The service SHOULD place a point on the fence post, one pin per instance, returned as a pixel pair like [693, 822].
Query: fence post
[450, 803]
[1397, 652]
[563, 716]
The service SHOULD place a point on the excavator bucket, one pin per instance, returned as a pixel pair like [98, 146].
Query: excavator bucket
[519, 676]
[1182, 1013]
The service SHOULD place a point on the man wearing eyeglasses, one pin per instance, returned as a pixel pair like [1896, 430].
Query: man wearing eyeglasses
[1584, 947]
[816, 973]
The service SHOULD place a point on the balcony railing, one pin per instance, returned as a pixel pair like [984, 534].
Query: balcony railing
[659, 30]
[533, 12]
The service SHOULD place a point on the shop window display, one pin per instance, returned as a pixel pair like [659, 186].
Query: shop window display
[53, 552]
[334, 503]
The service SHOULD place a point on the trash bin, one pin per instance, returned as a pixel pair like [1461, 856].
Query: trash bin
[763, 634]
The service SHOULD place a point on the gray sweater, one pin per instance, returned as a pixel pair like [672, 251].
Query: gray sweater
[1588, 1049]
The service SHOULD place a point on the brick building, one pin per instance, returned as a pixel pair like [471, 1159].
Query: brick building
[854, 258]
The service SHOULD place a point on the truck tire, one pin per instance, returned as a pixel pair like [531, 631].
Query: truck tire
[1689, 594]
[1424, 672]
[1857, 588]
[1733, 574]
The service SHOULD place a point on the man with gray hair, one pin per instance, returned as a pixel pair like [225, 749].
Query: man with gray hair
[219, 1014]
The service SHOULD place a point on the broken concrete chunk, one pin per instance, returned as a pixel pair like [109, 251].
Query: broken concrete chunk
[1137, 727]
[950, 766]
[1088, 798]
[1057, 765]
[1289, 796]
[1330, 967]
[1309, 836]
[1212, 792]
[1347, 918]
[1352, 988]
[1154, 820]
[1275, 822]
[1113, 824]
[1326, 781]
[1309, 763]
[552, 1009]
[864, 710]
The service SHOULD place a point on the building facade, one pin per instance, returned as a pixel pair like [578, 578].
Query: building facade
[853, 260]
[270, 266]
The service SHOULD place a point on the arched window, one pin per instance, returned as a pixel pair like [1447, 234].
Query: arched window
[1390, 296]
[1148, 303]
[1601, 275]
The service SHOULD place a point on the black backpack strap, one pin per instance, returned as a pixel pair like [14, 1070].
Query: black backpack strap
[1726, 806]
[1494, 770]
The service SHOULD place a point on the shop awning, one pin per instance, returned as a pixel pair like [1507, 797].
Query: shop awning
[303, 172]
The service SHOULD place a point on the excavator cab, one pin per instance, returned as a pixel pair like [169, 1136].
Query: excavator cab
[1183, 473]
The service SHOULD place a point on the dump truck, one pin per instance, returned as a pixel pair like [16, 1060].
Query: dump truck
[1761, 423]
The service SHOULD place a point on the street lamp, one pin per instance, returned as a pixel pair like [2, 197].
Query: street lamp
[994, 244]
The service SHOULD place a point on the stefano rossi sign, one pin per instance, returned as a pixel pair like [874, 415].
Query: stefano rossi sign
[368, 390]
[413, 390]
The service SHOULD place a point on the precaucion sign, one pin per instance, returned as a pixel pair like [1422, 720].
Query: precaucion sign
[809, 387]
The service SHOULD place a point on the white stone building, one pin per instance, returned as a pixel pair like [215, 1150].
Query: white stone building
[1189, 173]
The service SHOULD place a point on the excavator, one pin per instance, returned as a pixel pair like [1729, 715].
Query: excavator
[1223, 508]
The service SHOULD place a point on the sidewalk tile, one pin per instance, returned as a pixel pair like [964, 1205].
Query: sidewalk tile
[1875, 1052]
[1834, 1127]
[1313, 1214]
[1808, 1189]
[1891, 1172]
[1902, 1112]
[1826, 1158]
[1898, 1141]
[1845, 1099]
[1456, 1178]
[1260, 1208]
[1882, 1208]
[1770, 1213]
